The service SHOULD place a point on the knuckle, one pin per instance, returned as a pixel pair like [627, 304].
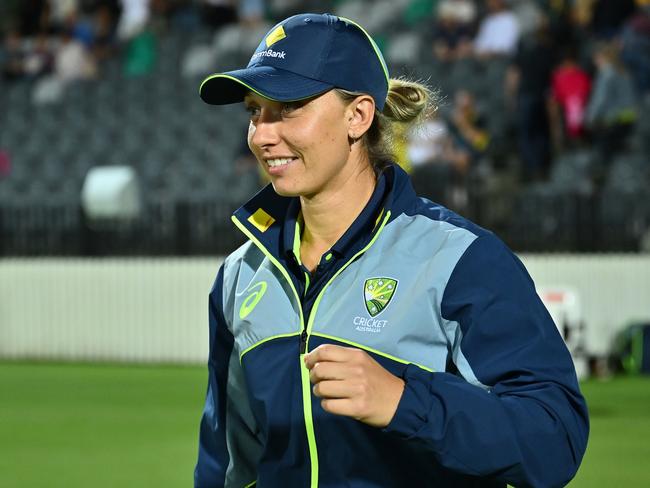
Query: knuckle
[315, 370]
[325, 348]
[362, 407]
[362, 389]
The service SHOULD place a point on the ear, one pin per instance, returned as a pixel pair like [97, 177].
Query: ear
[360, 114]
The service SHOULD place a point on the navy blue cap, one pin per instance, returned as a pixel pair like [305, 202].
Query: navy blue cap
[303, 56]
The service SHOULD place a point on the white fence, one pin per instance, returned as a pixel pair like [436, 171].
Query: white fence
[155, 310]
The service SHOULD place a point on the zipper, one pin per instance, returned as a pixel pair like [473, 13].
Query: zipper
[303, 341]
[304, 374]
[304, 336]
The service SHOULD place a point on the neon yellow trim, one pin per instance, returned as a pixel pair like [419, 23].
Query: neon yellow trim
[251, 484]
[296, 241]
[328, 257]
[374, 46]
[312, 315]
[378, 219]
[232, 78]
[304, 374]
[306, 282]
[379, 353]
[309, 425]
[277, 264]
[278, 336]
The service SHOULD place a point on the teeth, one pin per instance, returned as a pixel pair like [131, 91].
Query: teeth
[278, 161]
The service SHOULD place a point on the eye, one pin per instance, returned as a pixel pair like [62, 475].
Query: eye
[253, 111]
[289, 107]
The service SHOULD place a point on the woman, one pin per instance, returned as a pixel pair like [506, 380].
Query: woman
[364, 336]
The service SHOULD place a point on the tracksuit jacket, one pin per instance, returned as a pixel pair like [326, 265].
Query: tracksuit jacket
[491, 396]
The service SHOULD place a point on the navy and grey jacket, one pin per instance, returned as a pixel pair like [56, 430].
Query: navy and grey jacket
[491, 396]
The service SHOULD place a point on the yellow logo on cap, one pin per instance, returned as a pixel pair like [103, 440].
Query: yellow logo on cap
[261, 220]
[275, 36]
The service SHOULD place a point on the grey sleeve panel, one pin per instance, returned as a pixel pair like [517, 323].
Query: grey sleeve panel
[231, 276]
[450, 243]
[455, 338]
[258, 301]
[243, 444]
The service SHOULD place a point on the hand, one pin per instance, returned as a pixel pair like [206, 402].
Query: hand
[351, 383]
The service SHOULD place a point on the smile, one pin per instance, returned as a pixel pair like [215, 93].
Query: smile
[278, 162]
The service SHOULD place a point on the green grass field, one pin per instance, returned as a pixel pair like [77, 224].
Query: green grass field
[81, 425]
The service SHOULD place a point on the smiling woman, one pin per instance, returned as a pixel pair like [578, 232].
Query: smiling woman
[365, 337]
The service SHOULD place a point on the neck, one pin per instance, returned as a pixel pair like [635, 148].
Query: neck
[328, 216]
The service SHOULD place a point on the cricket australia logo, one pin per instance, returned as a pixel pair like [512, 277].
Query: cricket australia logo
[377, 293]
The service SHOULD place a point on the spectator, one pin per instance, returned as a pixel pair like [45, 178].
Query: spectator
[104, 21]
[636, 48]
[611, 112]
[570, 88]
[134, 18]
[454, 29]
[72, 61]
[61, 11]
[453, 146]
[251, 11]
[608, 17]
[467, 128]
[428, 144]
[33, 17]
[498, 32]
[563, 24]
[38, 60]
[527, 85]
[430, 154]
[13, 66]
[217, 13]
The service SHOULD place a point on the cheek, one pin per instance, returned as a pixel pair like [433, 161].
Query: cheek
[335, 144]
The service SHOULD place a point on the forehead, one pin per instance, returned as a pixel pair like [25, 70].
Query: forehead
[322, 98]
[255, 97]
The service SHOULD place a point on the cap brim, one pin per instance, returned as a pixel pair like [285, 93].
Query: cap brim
[267, 81]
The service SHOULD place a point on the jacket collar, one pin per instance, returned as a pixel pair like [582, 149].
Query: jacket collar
[270, 219]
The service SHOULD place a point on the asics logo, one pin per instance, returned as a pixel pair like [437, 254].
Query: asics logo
[256, 293]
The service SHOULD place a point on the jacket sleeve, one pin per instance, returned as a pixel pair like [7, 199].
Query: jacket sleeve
[227, 441]
[511, 409]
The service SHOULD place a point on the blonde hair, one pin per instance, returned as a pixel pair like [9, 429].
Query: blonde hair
[407, 103]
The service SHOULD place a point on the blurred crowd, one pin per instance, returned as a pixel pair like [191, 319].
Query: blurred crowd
[575, 71]
[71, 38]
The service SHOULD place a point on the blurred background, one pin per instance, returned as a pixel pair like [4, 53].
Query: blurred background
[117, 184]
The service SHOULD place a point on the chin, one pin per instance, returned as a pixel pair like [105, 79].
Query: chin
[283, 191]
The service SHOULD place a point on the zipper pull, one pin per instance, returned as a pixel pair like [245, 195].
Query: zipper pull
[303, 341]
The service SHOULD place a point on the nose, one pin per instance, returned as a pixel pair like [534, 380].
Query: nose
[264, 131]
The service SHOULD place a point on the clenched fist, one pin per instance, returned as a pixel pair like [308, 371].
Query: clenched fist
[351, 383]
